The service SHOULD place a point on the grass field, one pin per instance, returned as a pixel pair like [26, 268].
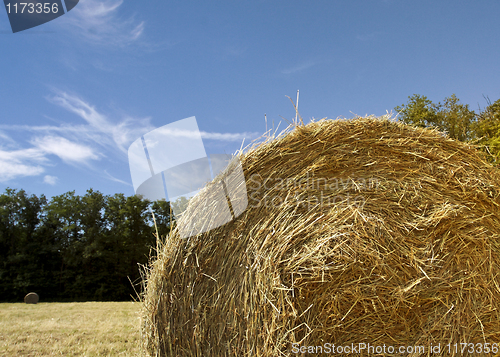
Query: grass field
[70, 329]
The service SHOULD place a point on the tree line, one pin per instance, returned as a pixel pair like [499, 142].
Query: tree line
[480, 128]
[76, 248]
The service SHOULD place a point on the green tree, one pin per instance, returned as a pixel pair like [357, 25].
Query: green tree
[180, 205]
[419, 111]
[130, 239]
[63, 217]
[74, 247]
[452, 117]
[163, 216]
[456, 119]
[93, 224]
[487, 130]
[9, 244]
[24, 248]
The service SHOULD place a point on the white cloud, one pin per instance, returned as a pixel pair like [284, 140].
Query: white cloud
[67, 151]
[112, 178]
[82, 109]
[167, 132]
[228, 136]
[31, 154]
[369, 36]
[101, 130]
[299, 68]
[5, 137]
[77, 143]
[234, 51]
[11, 170]
[45, 128]
[97, 21]
[51, 180]
[73, 143]
[20, 163]
[129, 129]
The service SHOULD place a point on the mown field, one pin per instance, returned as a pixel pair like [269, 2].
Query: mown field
[70, 329]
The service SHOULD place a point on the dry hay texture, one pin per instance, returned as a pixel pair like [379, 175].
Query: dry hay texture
[403, 250]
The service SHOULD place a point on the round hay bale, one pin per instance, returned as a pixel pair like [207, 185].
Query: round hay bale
[31, 298]
[363, 231]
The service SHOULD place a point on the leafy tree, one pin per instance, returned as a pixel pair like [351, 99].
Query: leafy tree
[23, 248]
[129, 241]
[419, 111]
[180, 205]
[163, 216]
[456, 119]
[93, 225]
[63, 218]
[74, 247]
[64, 214]
[452, 117]
[487, 129]
[9, 231]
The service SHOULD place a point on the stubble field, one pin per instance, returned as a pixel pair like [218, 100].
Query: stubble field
[70, 329]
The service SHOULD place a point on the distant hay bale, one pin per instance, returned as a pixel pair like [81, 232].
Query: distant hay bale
[356, 231]
[31, 298]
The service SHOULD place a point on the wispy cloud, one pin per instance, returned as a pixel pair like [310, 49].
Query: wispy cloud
[51, 180]
[100, 129]
[77, 144]
[234, 51]
[12, 170]
[20, 163]
[16, 163]
[5, 137]
[31, 154]
[64, 128]
[299, 68]
[112, 178]
[97, 21]
[74, 143]
[369, 36]
[167, 132]
[228, 136]
[69, 152]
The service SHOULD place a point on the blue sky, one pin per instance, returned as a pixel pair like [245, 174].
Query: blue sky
[77, 91]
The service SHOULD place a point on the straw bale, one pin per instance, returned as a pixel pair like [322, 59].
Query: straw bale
[31, 298]
[400, 246]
